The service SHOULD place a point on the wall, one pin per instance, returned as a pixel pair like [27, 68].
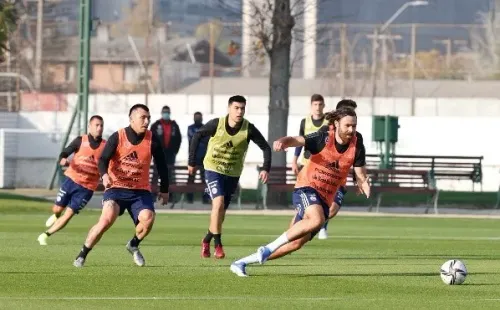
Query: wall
[258, 105]
[417, 135]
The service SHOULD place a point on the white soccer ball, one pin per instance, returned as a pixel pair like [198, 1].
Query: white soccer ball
[453, 272]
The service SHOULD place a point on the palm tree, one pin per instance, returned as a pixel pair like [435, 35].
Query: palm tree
[8, 19]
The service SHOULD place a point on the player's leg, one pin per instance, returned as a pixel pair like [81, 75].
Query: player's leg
[215, 188]
[294, 245]
[143, 214]
[62, 200]
[334, 209]
[312, 213]
[110, 212]
[79, 200]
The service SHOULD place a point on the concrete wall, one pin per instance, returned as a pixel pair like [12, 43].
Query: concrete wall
[472, 136]
[258, 105]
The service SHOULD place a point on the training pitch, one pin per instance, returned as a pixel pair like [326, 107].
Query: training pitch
[368, 262]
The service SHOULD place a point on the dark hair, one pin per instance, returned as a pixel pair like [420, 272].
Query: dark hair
[348, 103]
[339, 114]
[137, 107]
[165, 107]
[98, 117]
[317, 97]
[197, 113]
[237, 98]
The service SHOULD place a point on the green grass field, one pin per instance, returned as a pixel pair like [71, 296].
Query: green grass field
[375, 263]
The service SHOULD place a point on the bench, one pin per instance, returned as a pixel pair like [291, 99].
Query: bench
[282, 179]
[440, 167]
[180, 186]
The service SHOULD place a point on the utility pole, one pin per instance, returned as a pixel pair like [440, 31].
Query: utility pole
[212, 65]
[343, 59]
[80, 112]
[148, 44]
[39, 46]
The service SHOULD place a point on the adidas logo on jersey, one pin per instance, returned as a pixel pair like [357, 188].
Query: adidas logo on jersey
[229, 144]
[132, 156]
[333, 165]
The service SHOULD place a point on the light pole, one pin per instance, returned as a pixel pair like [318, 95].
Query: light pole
[381, 30]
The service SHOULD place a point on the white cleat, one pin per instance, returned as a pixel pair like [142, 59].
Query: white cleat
[239, 269]
[51, 220]
[322, 235]
[42, 239]
[137, 255]
[79, 262]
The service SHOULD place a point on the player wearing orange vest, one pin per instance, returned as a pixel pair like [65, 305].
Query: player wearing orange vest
[333, 153]
[82, 177]
[124, 167]
[339, 196]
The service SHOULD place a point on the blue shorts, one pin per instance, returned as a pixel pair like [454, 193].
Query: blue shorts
[221, 185]
[73, 195]
[306, 196]
[134, 201]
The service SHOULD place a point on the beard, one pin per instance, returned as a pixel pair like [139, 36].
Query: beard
[345, 136]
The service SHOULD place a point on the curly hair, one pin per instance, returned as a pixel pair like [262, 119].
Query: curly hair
[339, 114]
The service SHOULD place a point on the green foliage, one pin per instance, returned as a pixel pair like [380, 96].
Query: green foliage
[8, 19]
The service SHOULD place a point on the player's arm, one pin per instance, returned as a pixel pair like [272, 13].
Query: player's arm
[160, 163]
[360, 171]
[256, 136]
[207, 130]
[107, 153]
[73, 147]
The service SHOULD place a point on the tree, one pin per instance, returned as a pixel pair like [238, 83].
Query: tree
[136, 22]
[8, 19]
[272, 24]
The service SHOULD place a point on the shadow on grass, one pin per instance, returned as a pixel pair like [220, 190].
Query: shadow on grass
[9, 196]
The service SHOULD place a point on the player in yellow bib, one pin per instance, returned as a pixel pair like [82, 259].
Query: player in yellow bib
[223, 163]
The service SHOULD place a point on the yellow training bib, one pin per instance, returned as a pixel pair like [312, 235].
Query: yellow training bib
[310, 128]
[226, 153]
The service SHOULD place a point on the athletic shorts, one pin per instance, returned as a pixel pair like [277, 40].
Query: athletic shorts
[221, 185]
[306, 196]
[73, 195]
[134, 201]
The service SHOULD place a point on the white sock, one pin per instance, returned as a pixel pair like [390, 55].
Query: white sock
[250, 259]
[276, 244]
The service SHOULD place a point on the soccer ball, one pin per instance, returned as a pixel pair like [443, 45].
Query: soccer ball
[453, 272]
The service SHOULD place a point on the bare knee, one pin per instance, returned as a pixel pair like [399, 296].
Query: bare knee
[218, 203]
[110, 210]
[334, 209]
[57, 209]
[146, 218]
[297, 244]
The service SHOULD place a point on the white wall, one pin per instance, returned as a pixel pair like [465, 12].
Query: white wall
[452, 136]
[188, 104]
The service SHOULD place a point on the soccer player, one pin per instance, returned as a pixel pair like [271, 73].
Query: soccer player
[229, 139]
[124, 167]
[82, 177]
[333, 153]
[308, 125]
[339, 196]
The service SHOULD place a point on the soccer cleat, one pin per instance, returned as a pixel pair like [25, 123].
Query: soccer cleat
[136, 254]
[51, 220]
[322, 235]
[79, 262]
[219, 252]
[42, 239]
[263, 254]
[205, 249]
[239, 269]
